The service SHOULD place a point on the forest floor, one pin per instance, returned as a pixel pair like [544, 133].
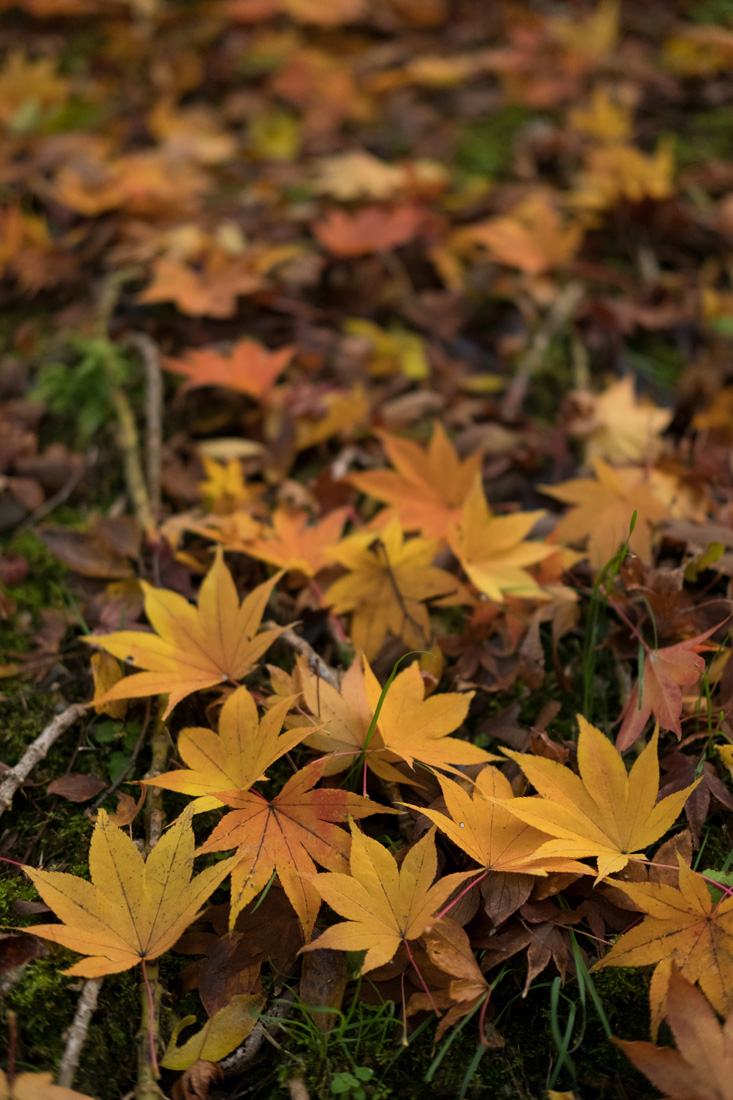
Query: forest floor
[366, 501]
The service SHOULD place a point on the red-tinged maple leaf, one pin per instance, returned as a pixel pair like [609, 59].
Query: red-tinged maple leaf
[389, 578]
[285, 835]
[193, 648]
[296, 545]
[666, 671]
[371, 229]
[685, 926]
[250, 368]
[702, 1066]
[428, 485]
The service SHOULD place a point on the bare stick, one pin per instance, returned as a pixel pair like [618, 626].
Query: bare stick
[154, 415]
[77, 1033]
[315, 663]
[16, 776]
[247, 1053]
[130, 446]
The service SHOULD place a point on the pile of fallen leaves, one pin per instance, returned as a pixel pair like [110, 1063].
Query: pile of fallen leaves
[367, 363]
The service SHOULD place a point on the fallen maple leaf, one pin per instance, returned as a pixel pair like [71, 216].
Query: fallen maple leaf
[533, 237]
[285, 835]
[428, 486]
[388, 579]
[386, 905]
[193, 649]
[36, 1086]
[250, 368]
[296, 545]
[450, 958]
[134, 909]
[235, 758]
[493, 551]
[684, 925]
[480, 824]
[604, 811]
[702, 1066]
[224, 1031]
[604, 507]
[666, 671]
[369, 230]
[211, 292]
[617, 427]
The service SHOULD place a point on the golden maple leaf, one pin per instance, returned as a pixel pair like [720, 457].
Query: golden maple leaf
[193, 648]
[389, 578]
[618, 428]
[602, 812]
[386, 905]
[36, 1086]
[493, 551]
[236, 757]
[685, 926]
[133, 910]
[604, 506]
[428, 485]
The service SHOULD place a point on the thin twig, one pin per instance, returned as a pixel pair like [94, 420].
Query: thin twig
[77, 1033]
[130, 446]
[38, 751]
[60, 496]
[315, 663]
[154, 415]
[245, 1054]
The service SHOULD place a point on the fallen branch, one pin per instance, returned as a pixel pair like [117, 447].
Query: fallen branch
[77, 1033]
[153, 414]
[315, 663]
[16, 777]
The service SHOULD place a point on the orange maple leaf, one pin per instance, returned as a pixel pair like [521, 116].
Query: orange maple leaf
[666, 671]
[388, 579]
[428, 486]
[296, 545]
[616, 426]
[285, 835]
[493, 551]
[602, 812]
[371, 229]
[209, 292]
[192, 648]
[386, 905]
[702, 1066]
[249, 368]
[410, 728]
[133, 910]
[533, 237]
[237, 757]
[684, 925]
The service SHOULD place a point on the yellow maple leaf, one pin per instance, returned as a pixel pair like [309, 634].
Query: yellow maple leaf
[428, 485]
[193, 648]
[604, 119]
[133, 910]
[603, 812]
[493, 551]
[385, 905]
[389, 578]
